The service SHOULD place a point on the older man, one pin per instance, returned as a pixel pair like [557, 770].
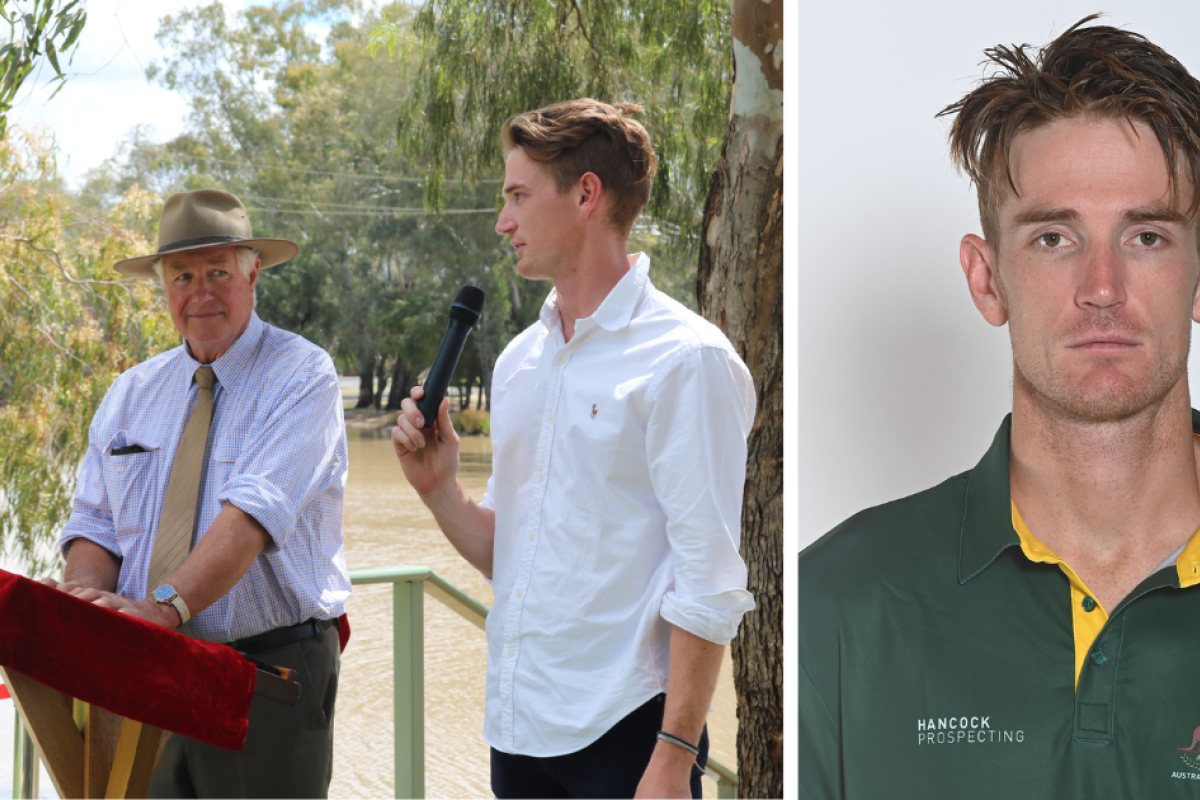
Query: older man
[210, 499]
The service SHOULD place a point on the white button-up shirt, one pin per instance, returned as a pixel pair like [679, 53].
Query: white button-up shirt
[276, 450]
[618, 467]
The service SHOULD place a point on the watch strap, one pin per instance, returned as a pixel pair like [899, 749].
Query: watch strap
[176, 600]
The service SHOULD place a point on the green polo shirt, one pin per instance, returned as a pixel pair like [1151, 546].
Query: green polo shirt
[937, 659]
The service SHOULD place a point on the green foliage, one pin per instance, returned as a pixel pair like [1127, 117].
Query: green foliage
[472, 423]
[481, 61]
[67, 329]
[35, 29]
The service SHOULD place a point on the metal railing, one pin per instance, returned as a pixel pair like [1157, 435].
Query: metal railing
[410, 584]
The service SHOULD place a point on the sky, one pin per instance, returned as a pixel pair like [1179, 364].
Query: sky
[900, 382]
[107, 94]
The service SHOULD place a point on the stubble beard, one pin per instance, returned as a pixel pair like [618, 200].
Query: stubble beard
[1091, 398]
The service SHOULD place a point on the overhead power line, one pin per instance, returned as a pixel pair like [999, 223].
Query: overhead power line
[387, 213]
[326, 204]
[355, 175]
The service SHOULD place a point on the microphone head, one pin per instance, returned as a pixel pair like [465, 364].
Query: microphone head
[468, 305]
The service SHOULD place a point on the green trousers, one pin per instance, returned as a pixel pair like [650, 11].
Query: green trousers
[289, 749]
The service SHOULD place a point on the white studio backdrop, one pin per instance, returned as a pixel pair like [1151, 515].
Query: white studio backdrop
[900, 383]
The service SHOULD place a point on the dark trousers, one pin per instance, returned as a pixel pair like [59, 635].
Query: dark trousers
[611, 766]
[289, 749]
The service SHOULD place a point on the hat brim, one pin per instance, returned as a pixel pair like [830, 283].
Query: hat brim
[273, 253]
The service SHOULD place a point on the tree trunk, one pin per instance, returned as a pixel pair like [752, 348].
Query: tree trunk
[483, 347]
[382, 376]
[402, 383]
[366, 382]
[739, 286]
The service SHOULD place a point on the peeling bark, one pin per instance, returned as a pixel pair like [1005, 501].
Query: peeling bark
[740, 288]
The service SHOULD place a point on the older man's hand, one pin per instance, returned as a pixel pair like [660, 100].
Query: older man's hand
[158, 613]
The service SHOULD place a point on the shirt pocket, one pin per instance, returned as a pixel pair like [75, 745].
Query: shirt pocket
[133, 484]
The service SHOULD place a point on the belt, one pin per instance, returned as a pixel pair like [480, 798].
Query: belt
[281, 637]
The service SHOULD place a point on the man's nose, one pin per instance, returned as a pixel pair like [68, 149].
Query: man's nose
[1102, 282]
[203, 287]
[505, 223]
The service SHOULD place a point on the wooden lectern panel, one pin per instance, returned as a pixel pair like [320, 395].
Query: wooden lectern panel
[134, 676]
[47, 713]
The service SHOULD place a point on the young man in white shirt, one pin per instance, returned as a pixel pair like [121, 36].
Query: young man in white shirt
[611, 524]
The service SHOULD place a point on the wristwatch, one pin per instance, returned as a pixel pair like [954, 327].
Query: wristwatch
[168, 596]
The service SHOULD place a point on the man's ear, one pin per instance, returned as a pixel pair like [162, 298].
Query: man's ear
[1196, 303]
[254, 272]
[979, 263]
[591, 192]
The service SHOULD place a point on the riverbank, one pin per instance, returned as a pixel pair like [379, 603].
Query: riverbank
[467, 423]
[369, 418]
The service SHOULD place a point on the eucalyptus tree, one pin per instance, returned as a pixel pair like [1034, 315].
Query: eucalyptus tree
[67, 329]
[740, 287]
[710, 77]
[474, 63]
[38, 32]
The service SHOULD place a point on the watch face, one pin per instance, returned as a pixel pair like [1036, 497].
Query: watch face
[163, 594]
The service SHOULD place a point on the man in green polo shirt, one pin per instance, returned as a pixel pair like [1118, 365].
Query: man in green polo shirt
[1031, 628]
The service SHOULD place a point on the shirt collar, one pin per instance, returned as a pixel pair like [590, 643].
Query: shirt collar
[617, 309]
[987, 526]
[987, 519]
[230, 367]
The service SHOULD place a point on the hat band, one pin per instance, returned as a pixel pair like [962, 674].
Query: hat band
[200, 240]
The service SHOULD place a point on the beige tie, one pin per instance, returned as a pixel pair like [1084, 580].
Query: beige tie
[174, 539]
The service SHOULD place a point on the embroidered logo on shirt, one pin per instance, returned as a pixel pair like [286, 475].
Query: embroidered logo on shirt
[594, 411]
[1191, 758]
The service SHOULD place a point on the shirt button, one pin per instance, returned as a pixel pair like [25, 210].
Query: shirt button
[541, 476]
[562, 359]
[520, 593]
[1099, 657]
[550, 418]
[1089, 604]
[510, 653]
[532, 537]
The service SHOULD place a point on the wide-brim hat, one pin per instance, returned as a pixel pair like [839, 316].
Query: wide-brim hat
[206, 218]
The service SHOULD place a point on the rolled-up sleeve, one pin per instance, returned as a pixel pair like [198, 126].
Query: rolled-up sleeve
[296, 454]
[702, 412]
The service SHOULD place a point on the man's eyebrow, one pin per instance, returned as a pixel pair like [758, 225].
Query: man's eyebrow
[215, 261]
[1039, 216]
[512, 187]
[1155, 214]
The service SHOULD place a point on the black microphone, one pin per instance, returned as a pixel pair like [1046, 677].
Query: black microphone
[464, 313]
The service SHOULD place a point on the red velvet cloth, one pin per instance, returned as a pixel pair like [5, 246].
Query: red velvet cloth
[343, 632]
[121, 663]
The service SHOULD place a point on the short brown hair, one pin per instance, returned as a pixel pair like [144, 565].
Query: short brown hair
[580, 136]
[1087, 71]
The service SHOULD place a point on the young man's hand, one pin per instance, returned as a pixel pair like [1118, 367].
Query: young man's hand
[428, 456]
[668, 774]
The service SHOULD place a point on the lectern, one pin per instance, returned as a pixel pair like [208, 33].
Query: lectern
[99, 691]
